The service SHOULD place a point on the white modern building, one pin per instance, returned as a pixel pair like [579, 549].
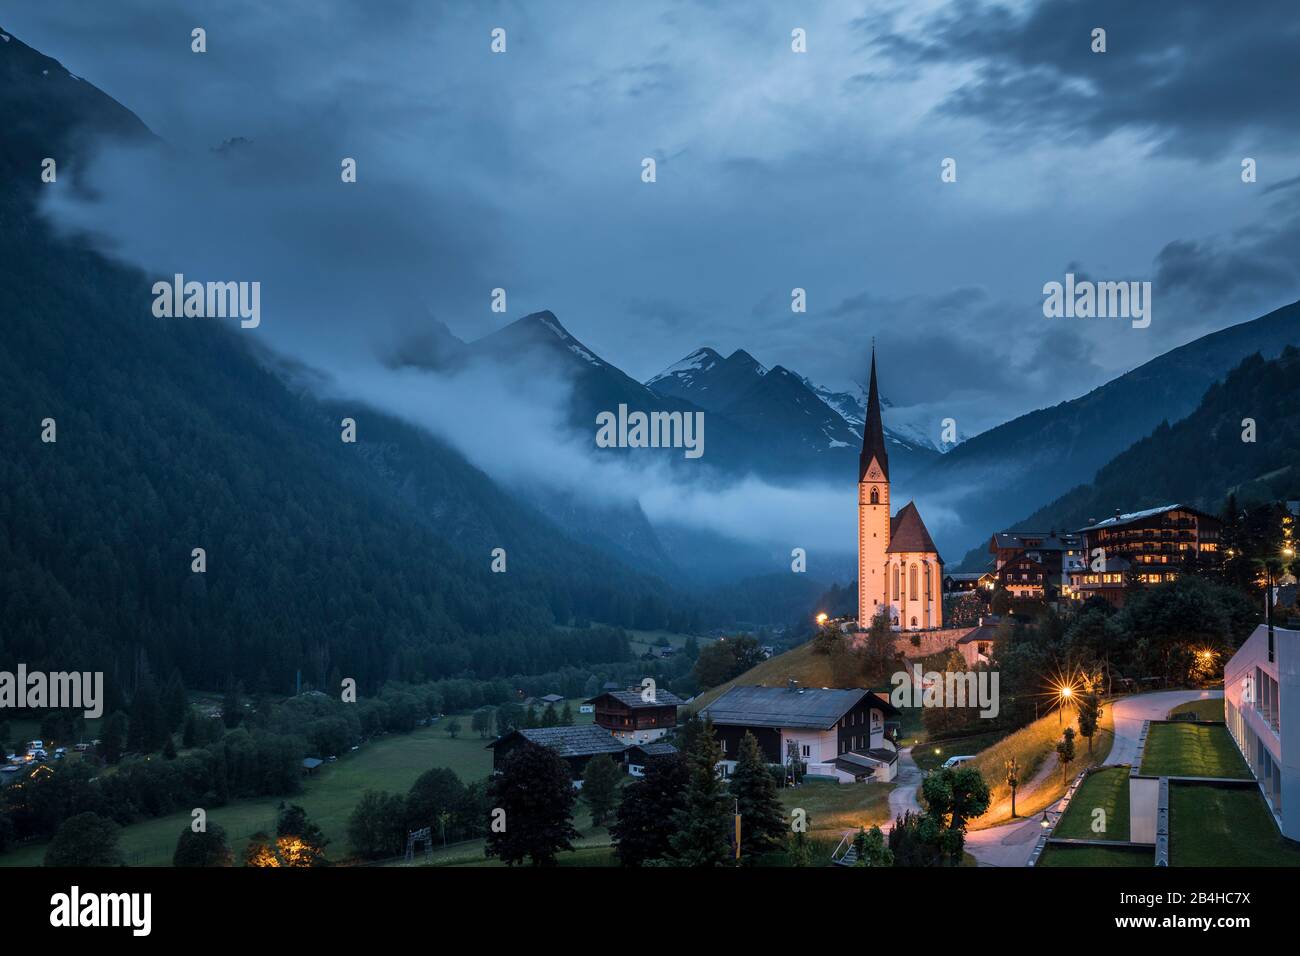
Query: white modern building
[1261, 689]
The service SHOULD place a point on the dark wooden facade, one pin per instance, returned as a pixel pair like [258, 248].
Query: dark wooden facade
[620, 717]
[769, 742]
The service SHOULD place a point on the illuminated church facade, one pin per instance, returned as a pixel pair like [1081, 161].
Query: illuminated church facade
[900, 572]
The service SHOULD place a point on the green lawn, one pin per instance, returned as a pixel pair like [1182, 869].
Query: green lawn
[1106, 789]
[642, 641]
[931, 755]
[1208, 709]
[1100, 856]
[837, 807]
[392, 762]
[1034, 748]
[1192, 750]
[1224, 826]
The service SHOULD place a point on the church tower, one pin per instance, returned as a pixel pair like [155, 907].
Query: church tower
[873, 508]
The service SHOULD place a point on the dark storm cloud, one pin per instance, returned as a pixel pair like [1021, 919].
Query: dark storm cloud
[1196, 78]
[775, 171]
[1253, 265]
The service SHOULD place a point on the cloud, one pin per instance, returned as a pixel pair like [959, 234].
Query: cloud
[1195, 79]
[1255, 265]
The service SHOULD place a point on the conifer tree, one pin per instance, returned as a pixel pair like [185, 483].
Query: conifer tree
[600, 787]
[701, 828]
[190, 729]
[174, 702]
[643, 827]
[762, 819]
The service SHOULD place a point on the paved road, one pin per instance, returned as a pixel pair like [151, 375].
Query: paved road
[903, 796]
[1130, 712]
[1012, 843]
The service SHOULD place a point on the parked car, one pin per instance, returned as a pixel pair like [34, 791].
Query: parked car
[958, 761]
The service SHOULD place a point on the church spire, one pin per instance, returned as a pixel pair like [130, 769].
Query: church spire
[873, 432]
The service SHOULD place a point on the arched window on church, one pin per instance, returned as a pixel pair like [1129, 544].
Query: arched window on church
[911, 582]
[875, 495]
[914, 622]
[895, 582]
[929, 595]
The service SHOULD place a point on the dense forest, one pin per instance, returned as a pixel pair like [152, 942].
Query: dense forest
[1199, 460]
[372, 560]
[1203, 458]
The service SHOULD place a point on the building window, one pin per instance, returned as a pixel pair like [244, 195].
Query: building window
[911, 580]
[895, 582]
[807, 750]
[914, 622]
[875, 495]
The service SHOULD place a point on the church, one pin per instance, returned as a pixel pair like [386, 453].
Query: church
[900, 572]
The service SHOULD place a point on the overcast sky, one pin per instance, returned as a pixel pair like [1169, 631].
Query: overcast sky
[819, 170]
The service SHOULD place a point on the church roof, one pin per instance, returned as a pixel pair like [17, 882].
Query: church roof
[907, 532]
[873, 431]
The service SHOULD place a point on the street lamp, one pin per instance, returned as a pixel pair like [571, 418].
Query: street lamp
[1066, 693]
[1045, 823]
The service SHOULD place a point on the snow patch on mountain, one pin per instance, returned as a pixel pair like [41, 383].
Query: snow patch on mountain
[549, 322]
[916, 426]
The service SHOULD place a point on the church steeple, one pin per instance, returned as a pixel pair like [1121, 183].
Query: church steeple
[873, 432]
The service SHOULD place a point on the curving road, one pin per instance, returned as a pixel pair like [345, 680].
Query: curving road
[1012, 843]
[908, 783]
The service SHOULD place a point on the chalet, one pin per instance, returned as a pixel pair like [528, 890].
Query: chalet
[639, 756]
[976, 646]
[1025, 577]
[838, 734]
[633, 719]
[960, 581]
[1058, 552]
[576, 745]
[1142, 548]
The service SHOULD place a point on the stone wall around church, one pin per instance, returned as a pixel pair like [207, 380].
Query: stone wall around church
[931, 642]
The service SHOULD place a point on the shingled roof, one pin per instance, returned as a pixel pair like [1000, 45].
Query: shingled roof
[1047, 541]
[810, 708]
[907, 532]
[632, 698]
[582, 741]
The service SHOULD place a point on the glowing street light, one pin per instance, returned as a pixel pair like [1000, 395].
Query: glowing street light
[822, 618]
[1067, 692]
